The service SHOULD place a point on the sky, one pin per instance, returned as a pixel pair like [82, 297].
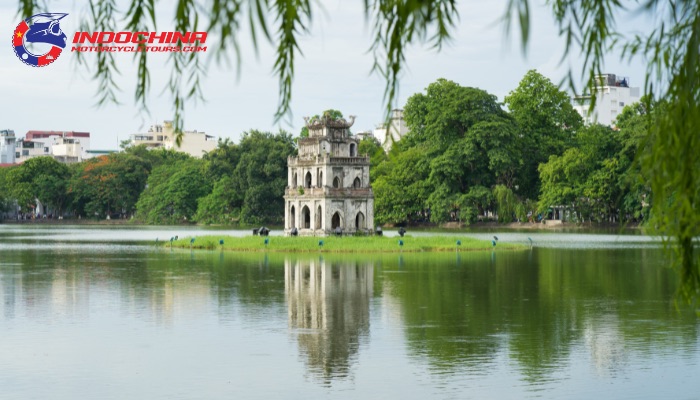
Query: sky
[333, 72]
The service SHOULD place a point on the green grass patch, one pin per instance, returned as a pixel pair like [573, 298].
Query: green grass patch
[347, 244]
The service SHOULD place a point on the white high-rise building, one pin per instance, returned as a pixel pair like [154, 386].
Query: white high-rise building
[7, 146]
[397, 128]
[613, 93]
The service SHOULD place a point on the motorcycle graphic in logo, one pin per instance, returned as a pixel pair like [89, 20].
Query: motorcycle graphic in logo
[39, 40]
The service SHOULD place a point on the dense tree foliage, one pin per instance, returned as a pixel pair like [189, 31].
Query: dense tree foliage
[234, 183]
[461, 139]
[251, 189]
[546, 123]
[4, 191]
[109, 185]
[466, 158]
[597, 178]
[43, 179]
[172, 192]
[261, 176]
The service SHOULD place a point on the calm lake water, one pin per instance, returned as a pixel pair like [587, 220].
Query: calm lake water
[100, 313]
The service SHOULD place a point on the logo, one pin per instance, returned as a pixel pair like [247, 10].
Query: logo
[39, 40]
[139, 42]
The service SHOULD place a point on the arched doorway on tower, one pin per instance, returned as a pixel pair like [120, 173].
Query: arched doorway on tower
[360, 221]
[335, 221]
[292, 217]
[305, 218]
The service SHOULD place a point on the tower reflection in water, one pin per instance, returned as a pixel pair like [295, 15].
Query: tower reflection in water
[328, 309]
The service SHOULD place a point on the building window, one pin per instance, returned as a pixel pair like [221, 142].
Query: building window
[46, 149]
[336, 182]
[622, 104]
[25, 152]
[357, 183]
[308, 180]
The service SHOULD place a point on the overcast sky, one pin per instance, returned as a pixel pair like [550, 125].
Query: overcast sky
[334, 72]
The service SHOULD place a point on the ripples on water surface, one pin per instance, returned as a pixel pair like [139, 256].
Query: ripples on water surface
[99, 313]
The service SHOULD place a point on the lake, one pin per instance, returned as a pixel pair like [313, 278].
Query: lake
[100, 312]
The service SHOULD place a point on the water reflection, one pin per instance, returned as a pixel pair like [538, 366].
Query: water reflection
[328, 306]
[540, 322]
[606, 344]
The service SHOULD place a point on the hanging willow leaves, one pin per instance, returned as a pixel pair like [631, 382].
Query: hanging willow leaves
[396, 25]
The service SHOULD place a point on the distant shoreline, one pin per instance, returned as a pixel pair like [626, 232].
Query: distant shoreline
[450, 226]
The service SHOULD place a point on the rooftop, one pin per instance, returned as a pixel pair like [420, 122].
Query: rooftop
[45, 134]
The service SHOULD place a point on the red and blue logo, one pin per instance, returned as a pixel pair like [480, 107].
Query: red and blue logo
[39, 40]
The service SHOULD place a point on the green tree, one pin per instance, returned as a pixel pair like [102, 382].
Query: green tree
[633, 123]
[402, 190]
[547, 122]
[377, 155]
[40, 178]
[172, 192]
[109, 185]
[222, 161]
[588, 178]
[446, 112]
[217, 207]
[506, 202]
[260, 177]
[463, 138]
[252, 192]
[158, 156]
[4, 191]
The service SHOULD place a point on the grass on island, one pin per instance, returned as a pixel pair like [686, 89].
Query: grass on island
[346, 244]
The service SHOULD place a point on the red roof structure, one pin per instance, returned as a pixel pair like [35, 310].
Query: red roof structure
[45, 134]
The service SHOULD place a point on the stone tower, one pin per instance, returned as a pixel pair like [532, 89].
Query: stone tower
[328, 182]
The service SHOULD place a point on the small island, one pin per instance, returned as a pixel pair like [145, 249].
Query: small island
[344, 244]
